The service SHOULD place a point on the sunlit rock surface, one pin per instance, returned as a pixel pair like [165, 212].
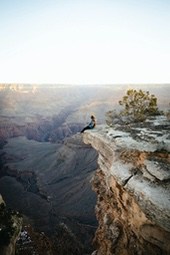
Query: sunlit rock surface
[132, 184]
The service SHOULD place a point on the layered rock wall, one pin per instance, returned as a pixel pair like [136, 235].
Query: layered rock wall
[133, 190]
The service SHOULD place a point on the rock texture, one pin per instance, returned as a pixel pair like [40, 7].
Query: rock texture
[10, 227]
[132, 183]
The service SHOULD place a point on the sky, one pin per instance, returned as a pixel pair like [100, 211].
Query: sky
[84, 41]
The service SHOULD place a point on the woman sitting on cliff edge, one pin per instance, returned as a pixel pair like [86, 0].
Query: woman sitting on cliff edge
[91, 125]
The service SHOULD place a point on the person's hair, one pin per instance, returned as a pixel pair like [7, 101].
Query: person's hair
[92, 117]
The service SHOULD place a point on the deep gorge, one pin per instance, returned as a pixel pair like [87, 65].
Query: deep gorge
[48, 171]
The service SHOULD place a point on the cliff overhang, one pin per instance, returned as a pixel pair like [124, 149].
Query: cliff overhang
[132, 183]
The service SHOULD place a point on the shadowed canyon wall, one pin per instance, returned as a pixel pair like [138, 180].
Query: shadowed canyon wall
[10, 227]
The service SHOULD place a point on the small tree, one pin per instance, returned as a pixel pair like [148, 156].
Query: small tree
[139, 104]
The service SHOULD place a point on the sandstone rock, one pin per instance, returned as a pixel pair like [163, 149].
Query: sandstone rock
[158, 169]
[132, 186]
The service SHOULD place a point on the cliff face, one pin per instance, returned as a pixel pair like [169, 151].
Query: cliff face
[10, 227]
[133, 186]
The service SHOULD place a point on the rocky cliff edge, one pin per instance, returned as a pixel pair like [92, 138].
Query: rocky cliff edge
[132, 183]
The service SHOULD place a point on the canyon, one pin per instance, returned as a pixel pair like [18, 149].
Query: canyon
[48, 169]
[45, 166]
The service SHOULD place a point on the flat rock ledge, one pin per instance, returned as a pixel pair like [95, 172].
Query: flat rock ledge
[133, 188]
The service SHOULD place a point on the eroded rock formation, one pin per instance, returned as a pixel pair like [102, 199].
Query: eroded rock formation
[133, 188]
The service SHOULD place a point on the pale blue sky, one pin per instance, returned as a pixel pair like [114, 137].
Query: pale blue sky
[85, 41]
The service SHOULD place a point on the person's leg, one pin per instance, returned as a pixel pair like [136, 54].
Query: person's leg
[85, 129]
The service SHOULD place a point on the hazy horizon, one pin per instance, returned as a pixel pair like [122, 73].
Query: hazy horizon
[81, 84]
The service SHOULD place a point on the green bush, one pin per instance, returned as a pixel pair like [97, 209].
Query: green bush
[139, 105]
